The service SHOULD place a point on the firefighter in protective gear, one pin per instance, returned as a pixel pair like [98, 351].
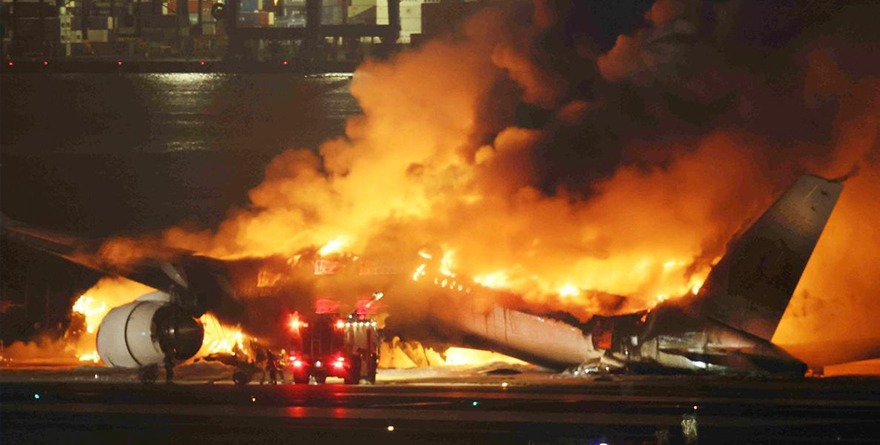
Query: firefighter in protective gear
[272, 366]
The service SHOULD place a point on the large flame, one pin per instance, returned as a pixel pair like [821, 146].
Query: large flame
[653, 155]
[220, 338]
[108, 293]
[94, 304]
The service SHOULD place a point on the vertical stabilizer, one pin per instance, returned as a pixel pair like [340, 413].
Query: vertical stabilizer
[750, 287]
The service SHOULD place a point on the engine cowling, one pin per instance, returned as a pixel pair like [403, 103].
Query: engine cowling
[143, 332]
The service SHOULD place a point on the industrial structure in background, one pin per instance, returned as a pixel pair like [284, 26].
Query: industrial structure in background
[239, 30]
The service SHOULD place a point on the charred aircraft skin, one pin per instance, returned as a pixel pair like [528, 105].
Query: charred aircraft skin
[670, 339]
[726, 328]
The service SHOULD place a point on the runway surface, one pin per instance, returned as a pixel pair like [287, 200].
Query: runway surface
[527, 410]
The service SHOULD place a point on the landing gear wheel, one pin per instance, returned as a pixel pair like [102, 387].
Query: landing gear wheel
[241, 378]
[301, 379]
[354, 375]
[371, 368]
[148, 374]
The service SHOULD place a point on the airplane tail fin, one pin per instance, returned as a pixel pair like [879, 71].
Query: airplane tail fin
[751, 286]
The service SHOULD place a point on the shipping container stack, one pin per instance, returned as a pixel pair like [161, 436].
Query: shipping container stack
[32, 27]
[294, 14]
[256, 13]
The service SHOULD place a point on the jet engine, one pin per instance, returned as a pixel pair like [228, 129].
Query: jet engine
[143, 332]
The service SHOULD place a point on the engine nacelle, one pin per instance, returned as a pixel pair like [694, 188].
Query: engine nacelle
[142, 332]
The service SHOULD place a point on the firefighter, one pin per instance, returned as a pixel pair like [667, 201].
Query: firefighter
[261, 362]
[272, 366]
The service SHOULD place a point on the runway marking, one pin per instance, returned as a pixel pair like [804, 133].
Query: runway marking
[342, 413]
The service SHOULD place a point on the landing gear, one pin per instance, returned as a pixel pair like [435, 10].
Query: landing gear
[148, 374]
[372, 364]
[169, 369]
[354, 374]
[301, 379]
[241, 378]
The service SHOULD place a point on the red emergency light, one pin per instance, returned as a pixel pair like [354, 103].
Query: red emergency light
[295, 323]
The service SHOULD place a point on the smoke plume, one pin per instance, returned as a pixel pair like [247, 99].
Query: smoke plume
[547, 164]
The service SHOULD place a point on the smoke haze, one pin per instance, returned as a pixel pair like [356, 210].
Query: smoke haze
[554, 167]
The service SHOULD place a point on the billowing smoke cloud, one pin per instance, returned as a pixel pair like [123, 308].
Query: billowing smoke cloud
[568, 175]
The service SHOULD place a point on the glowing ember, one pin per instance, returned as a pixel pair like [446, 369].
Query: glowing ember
[420, 272]
[334, 246]
[89, 357]
[494, 280]
[569, 290]
[463, 356]
[446, 263]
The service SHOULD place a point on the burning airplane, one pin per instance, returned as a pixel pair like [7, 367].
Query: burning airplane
[541, 175]
[726, 327]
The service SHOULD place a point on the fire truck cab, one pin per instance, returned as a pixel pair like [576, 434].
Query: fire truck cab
[328, 345]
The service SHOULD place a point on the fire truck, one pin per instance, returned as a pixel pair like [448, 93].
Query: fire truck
[329, 345]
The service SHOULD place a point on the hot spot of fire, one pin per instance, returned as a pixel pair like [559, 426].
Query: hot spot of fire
[597, 201]
[92, 310]
[221, 338]
[456, 356]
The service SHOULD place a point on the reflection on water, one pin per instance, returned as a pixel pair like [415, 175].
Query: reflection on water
[155, 113]
[156, 148]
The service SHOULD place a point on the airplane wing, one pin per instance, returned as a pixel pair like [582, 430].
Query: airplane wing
[196, 281]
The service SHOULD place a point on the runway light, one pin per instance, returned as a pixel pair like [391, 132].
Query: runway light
[118, 63]
[36, 396]
[390, 428]
[475, 403]
[202, 63]
[284, 63]
[45, 63]
[253, 399]
[505, 385]
[11, 64]
[695, 407]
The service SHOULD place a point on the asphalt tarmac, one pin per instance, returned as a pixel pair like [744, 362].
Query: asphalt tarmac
[488, 409]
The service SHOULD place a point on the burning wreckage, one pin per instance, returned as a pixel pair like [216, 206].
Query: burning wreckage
[725, 327]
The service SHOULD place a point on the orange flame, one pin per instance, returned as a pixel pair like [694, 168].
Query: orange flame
[402, 178]
[220, 338]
